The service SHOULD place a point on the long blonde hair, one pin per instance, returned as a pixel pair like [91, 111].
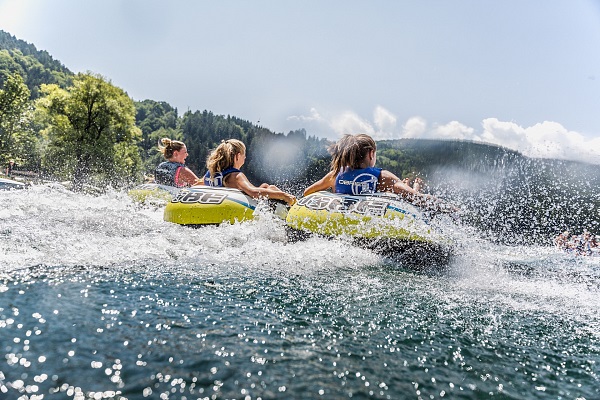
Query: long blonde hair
[168, 146]
[223, 156]
[350, 151]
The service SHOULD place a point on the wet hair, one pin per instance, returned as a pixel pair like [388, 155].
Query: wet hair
[350, 151]
[223, 156]
[168, 146]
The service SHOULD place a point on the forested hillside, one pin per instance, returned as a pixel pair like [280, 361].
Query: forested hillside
[35, 66]
[512, 198]
[290, 159]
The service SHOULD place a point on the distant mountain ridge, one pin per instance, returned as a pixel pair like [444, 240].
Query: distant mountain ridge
[35, 66]
[9, 42]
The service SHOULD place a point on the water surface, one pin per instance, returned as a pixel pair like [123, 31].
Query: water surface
[100, 298]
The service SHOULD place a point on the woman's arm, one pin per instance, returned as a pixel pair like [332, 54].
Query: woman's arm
[239, 181]
[185, 176]
[326, 182]
[388, 182]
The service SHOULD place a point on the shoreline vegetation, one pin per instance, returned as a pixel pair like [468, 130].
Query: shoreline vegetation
[46, 129]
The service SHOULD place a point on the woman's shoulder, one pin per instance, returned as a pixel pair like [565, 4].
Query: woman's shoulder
[167, 162]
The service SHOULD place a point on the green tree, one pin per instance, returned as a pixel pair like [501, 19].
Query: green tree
[91, 134]
[14, 116]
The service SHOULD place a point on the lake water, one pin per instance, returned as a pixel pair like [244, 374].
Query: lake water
[100, 298]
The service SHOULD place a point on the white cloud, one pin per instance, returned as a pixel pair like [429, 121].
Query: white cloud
[313, 116]
[543, 140]
[385, 122]
[349, 122]
[454, 130]
[415, 127]
[507, 134]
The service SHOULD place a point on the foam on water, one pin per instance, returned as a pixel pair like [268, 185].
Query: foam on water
[47, 225]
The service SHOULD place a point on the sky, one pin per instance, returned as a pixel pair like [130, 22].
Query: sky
[520, 74]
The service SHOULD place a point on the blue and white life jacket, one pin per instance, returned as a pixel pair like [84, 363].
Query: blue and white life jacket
[357, 181]
[219, 177]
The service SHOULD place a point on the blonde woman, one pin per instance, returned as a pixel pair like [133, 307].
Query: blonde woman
[224, 165]
[173, 171]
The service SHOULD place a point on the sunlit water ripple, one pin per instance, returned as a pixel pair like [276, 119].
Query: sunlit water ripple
[99, 298]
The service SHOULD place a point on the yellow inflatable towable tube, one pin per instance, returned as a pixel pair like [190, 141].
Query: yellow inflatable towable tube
[152, 193]
[206, 205]
[378, 215]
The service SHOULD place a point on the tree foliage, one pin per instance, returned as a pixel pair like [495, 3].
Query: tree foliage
[91, 132]
[14, 117]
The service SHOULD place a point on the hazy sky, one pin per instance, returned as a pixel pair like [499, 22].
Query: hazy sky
[520, 73]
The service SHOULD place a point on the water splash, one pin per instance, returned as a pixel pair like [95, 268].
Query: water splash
[50, 226]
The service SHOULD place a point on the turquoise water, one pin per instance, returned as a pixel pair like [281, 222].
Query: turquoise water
[100, 298]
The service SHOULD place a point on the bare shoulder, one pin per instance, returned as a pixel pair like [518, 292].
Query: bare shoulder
[388, 175]
[237, 180]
